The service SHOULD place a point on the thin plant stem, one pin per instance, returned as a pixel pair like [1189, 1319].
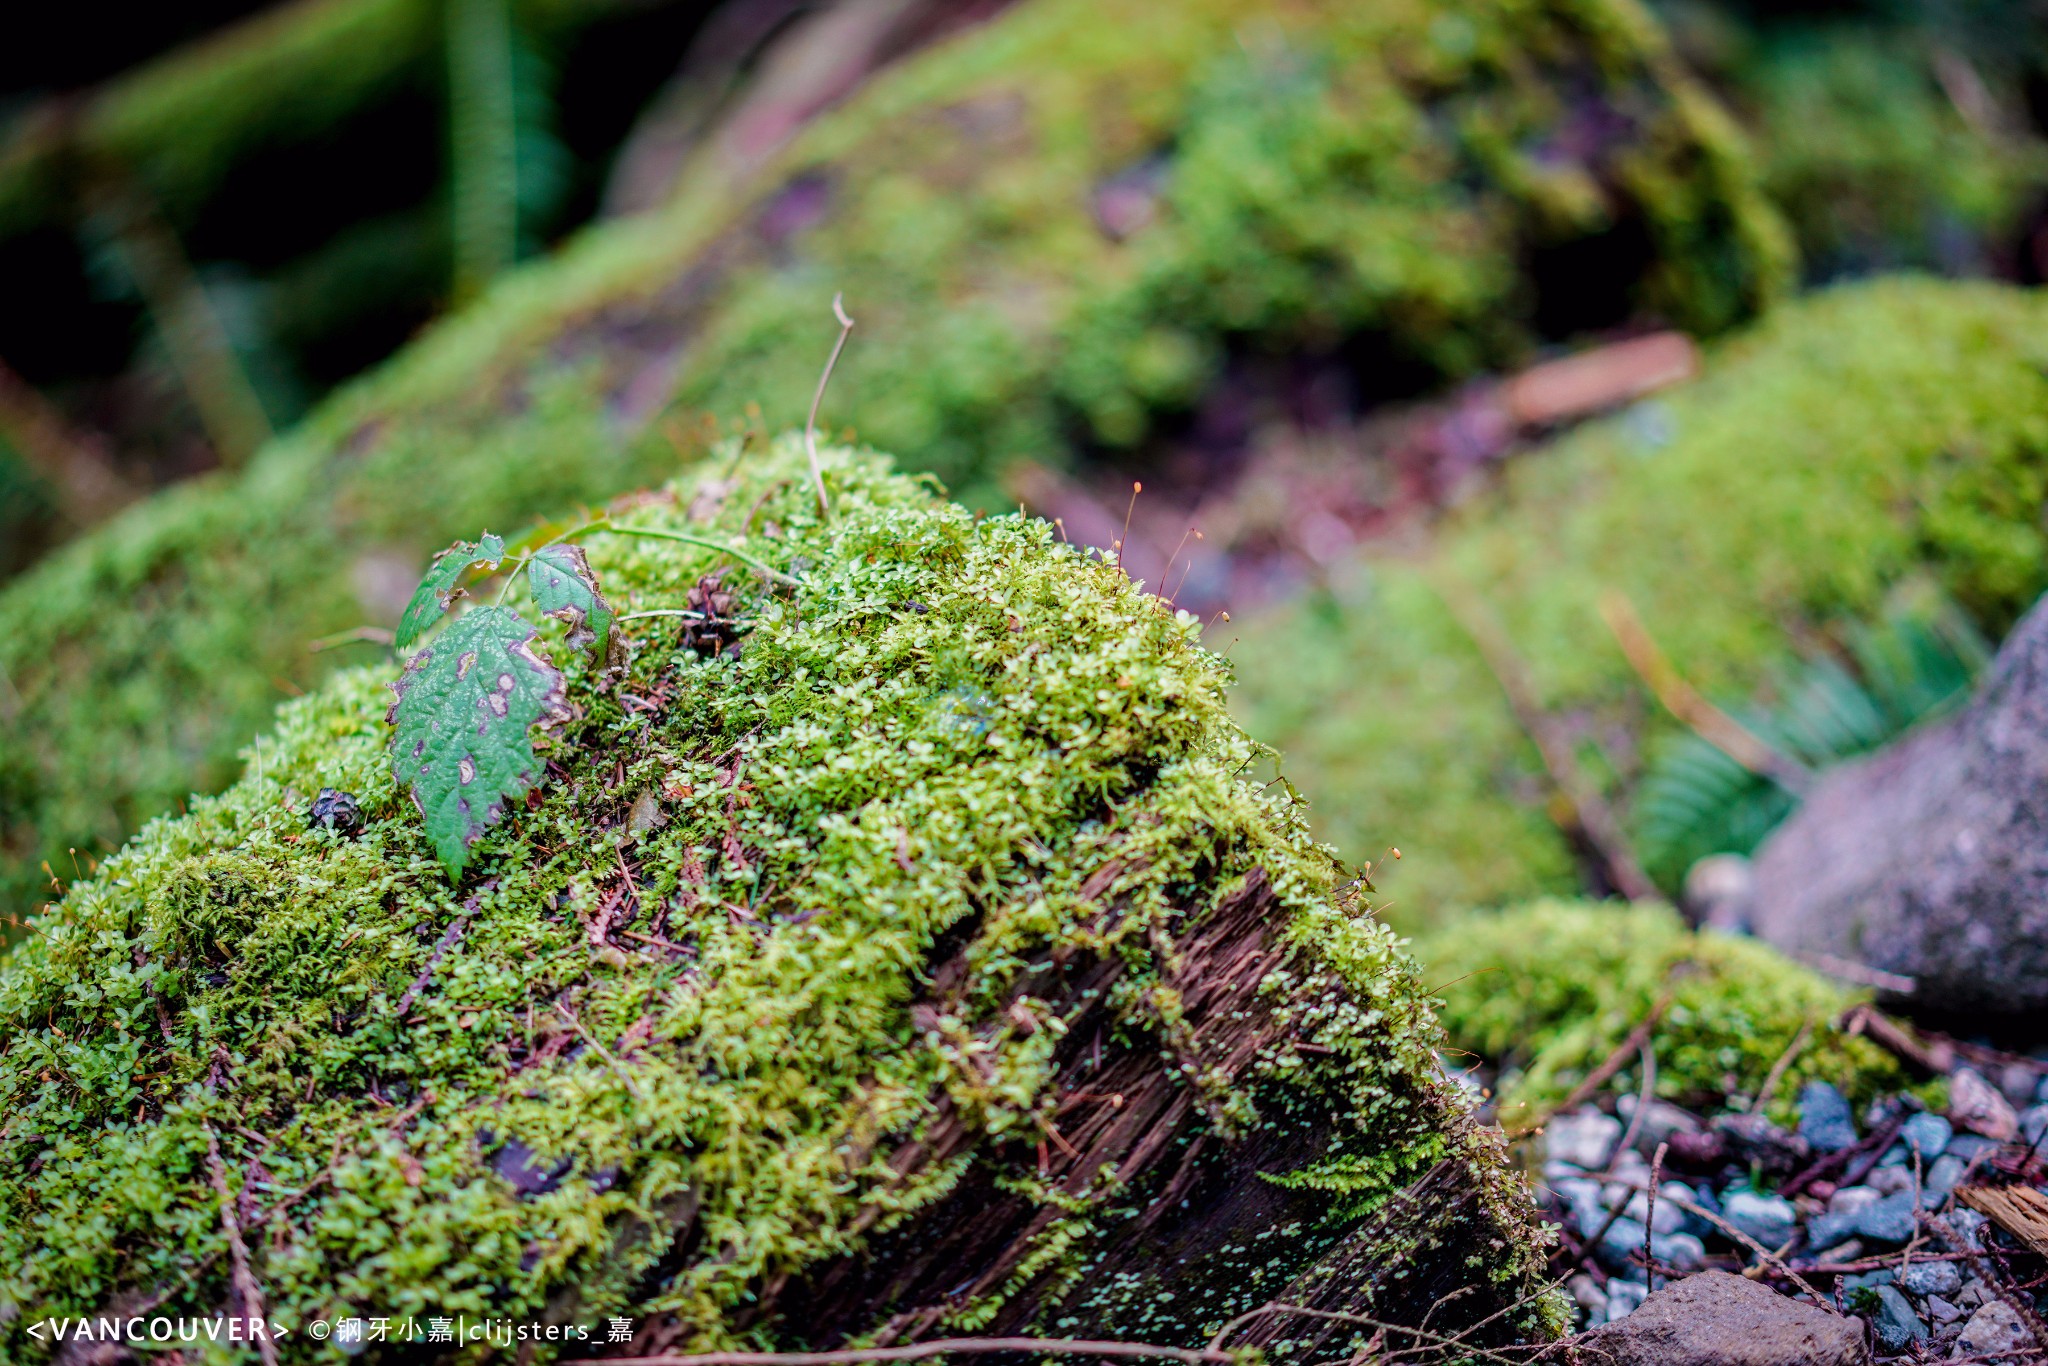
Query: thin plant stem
[811, 422]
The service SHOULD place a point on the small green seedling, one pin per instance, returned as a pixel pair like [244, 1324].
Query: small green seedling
[468, 702]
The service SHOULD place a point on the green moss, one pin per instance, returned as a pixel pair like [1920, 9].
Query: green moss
[1853, 446]
[993, 311]
[1292, 182]
[943, 738]
[1552, 988]
[1870, 158]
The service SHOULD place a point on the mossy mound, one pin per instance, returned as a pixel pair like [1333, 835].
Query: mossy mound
[1860, 443]
[1065, 233]
[1550, 989]
[1354, 181]
[928, 960]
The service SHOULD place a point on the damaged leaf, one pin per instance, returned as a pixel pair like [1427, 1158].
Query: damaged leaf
[443, 584]
[565, 588]
[465, 706]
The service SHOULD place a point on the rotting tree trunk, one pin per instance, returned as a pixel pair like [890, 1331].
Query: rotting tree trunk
[1207, 1228]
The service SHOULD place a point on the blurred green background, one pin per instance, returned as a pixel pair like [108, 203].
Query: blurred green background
[295, 293]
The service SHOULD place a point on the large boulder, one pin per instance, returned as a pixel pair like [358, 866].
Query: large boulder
[895, 945]
[1930, 858]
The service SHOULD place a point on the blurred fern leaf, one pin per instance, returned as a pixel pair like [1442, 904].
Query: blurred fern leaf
[1917, 662]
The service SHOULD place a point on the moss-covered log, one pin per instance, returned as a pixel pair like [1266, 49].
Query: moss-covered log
[1859, 444]
[1065, 221]
[897, 954]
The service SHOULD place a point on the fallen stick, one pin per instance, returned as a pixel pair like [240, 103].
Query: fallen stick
[920, 1351]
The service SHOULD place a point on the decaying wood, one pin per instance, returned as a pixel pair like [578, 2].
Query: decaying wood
[2021, 1211]
[1128, 1119]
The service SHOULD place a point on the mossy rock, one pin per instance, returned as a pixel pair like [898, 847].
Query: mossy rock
[955, 202]
[926, 964]
[1861, 443]
[1551, 988]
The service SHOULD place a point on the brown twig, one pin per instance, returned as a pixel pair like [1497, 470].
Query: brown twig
[1600, 1075]
[811, 423]
[448, 939]
[1683, 701]
[1772, 1077]
[238, 1251]
[1701, 1212]
[919, 1351]
[1592, 815]
[1650, 1215]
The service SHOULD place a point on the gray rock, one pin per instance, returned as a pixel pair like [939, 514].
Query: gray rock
[1660, 1121]
[1941, 1179]
[1931, 1278]
[1681, 1252]
[1927, 1134]
[1769, 1219]
[1715, 1319]
[1824, 1118]
[1850, 1199]
[1890, 1220]
[1623, 1240]
[1624, 1298]
[1826, 1230]
[1893, 1178]
[1995, 1331]
[1975, 1104]
[1869, 1280]
[1941, 1311]
[1587, 1294]
[1719, 893]
[1583, 1138]
[2034, 1126]
[1925, 858]
[1966, 1148]
[2041, 1090]
[1895, 1322]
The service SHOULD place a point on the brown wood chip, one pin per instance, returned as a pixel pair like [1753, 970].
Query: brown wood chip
[2021, 1211]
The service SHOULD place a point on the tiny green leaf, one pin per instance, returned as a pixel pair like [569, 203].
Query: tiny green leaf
[565, 588]
[443, 584]
[465, 706]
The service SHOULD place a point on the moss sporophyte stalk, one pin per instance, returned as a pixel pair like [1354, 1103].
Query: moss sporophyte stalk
[836, 898]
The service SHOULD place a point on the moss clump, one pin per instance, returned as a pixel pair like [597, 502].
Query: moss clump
[1552, 988]
[1871, 159]
[773, 923]
[1061, 235]
[1363, 176]
[1856, 444]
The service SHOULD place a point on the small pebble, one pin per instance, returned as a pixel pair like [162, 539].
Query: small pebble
[1895, 1322]
[1624, 1298]
[1941, 1179]
[1928, 1133]
[1583, 1138]
[1938, 1309]
[1980, 1107]
[1825, 1120]
[1967, 1148]
[1767, 1218]
[1931, 1278]
[1890, 1180]
[2033, 1125]
[1890, 1220]
[1587, 1294]
[1994, 1331]
[1850, 1199]
[1681, 1252]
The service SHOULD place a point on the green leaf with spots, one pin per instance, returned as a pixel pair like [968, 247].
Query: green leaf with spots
[443, 584]
[565, 588]
[465, 708]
